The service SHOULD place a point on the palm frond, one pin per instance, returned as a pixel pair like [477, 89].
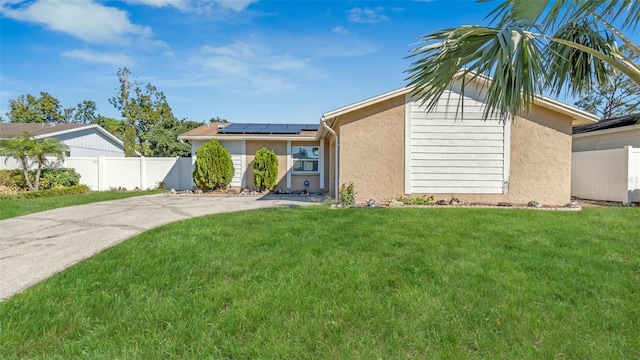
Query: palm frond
[511, 56]
[574, 67]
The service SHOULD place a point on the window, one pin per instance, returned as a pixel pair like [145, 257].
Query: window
[305, 158]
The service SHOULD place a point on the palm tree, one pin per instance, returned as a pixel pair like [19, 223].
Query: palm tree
[30, 151]
[530, 47]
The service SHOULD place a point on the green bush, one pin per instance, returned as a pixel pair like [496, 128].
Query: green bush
[50, 178]
[12, 178]
[347, 194]
[265, 169]
[213, 168]
[71, 190]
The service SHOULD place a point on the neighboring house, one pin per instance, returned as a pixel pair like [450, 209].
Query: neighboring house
[390, 146]
[82, 139]
[614, 133]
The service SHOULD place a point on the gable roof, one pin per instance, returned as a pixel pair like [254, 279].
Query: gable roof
[42, 130]
[9, 130]
[578, 116]
[611, 123]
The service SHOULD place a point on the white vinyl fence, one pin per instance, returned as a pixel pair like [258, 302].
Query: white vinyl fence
[612, 175]
[105, 173]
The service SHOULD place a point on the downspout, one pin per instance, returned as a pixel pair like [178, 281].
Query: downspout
[337, 178]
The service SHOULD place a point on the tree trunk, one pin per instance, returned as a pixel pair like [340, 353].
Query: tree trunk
[25, 172]
[37, 181]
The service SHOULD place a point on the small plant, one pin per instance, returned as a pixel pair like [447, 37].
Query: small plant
[12, 178]
[347, 194]
[422, 200]
[265, 169]
[70, 190]
[213, 168]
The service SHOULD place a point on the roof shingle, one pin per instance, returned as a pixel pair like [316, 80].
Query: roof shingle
[610, 123]
[9, 130]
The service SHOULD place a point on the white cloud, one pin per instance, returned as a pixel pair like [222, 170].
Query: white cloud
[84, 19]
[116, 59]
[178, 4]
[235, 5]
[340, 30]
[367, 15]
[250, 67]
[238, 49]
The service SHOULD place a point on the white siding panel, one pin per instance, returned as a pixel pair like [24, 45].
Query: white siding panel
[458, 190]
[459, 150]
[459, 135]
[457, 163]
[481, 128]
[608, 140]
[466, 117]
[457, 143]
[473, 177]
[90, 143]
[236, 149]
[485, 184]
[458, 170]
[454, 151]
[450, 156]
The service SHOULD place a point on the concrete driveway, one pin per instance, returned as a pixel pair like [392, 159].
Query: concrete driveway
[36, 246]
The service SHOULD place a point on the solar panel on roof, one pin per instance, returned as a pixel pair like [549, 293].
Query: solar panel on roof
[267, 128]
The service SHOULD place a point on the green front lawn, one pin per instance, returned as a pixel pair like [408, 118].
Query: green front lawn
[15, 207]
[316, 283]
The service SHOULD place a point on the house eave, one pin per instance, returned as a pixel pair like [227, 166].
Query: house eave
[91, 126]
[578, 117]
[364, 103]
[247, 137]
[608, 131]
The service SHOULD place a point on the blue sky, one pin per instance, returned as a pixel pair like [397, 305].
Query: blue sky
[243, 60]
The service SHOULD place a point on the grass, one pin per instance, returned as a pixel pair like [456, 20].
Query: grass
[316, 283]
[15, 207]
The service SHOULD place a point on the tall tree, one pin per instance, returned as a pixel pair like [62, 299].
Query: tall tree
[48, 109]
[30, 151]
[31, 109]
[163, 137]
[617, 97]
[143, 108]
[114, 126]
[530, 47]
[85, 112]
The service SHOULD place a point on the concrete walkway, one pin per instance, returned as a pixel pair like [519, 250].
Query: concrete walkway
[36, 246]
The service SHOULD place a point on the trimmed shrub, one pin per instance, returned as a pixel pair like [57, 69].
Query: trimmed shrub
[213, 168]
[265, 169]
